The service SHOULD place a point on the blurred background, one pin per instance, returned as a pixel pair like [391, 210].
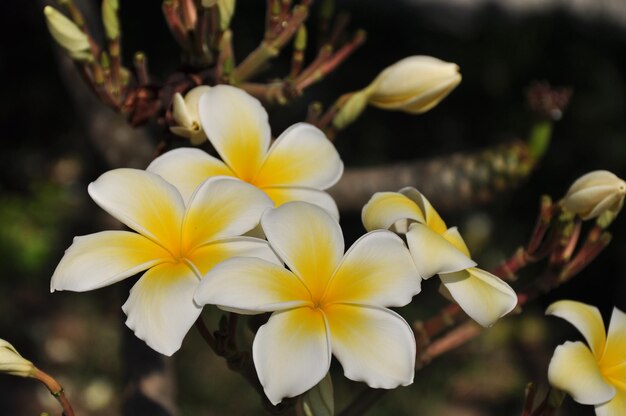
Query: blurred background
[48, 158]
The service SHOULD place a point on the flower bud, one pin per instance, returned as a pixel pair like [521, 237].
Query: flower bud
[319, 401]
[414, 85]
[595, 193]
[226, 10]
[68, 35]
[11, 362]
[352, 109]
[110, 19]
[185, 113]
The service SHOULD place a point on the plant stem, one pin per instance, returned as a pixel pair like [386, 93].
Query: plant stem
[56, 390]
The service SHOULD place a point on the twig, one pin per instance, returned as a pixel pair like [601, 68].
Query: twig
[56, 390]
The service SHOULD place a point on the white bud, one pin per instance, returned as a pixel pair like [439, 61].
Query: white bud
[11, 362]
[595, 193]
[68, 35]
[185, 113]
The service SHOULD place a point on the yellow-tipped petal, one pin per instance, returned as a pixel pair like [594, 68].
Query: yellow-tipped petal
[585, 318]
[143, 201]
[291, 352]
[614, 407]
[252, 284]
[222, 207]
[374, 345]
[433, 254]
[615, 349]
[282, 195]
[187, 168]
[104, 258]
[482, 295]
[308, 240]
[377, 270]
[386, 208]
[236, 124]
[574, 369]
[432, 219]
[302, 156]
[160, 308]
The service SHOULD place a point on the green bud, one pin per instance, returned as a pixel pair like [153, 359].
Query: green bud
[226, 9]
[68, 35]
[110, 18]
[351, 109]
[300, 42]
[318, 401]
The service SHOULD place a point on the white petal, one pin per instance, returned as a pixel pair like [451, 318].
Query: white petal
[432, 217]
[482, 295]
[180, 114]
[143, 201]
[308, 240]
[615, 407]
[374, 345]
[281, 195]
[187, 168]
[585, 318]
[376, 270]
[386, 208]
[104, 258]
[291, 353]
[302, 156]
[434, 254]
[615, 349]
[574, 369]
[222, 207]
[160, 308]
[236, 124]
[454, 237]
[252, 284]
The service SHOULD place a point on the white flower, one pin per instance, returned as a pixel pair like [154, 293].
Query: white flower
[595, 193]
[185, 113]
[326, 304]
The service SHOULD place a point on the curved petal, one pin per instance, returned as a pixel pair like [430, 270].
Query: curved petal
[143, 201]
[222, 207]
[308, 240]
[376, 270]
[615, 348]
[302, 156]
[433, 254]
[453, 236]
[247, 283]
[205, 257]
[386, 208]
[187, 168]
[236, 124]
[432, 218]
[282, 195]
[374, 345]
[160, 308]
[482, 295]
[615, 407]
[574, 369]
[97, 260]
[291, 352]
[585, 318]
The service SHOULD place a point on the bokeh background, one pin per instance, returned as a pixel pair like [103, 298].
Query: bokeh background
[47, 159]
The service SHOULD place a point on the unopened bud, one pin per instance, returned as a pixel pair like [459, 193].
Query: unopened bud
[351, 109]
[414, 85]
[11, 362]
[319, 401]
[68, 35]
[110, 19]
[226, 9]
[185, 113]
[299, 43]
[594, 194]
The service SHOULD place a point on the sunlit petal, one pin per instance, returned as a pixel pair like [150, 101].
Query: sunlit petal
[160, 308]
[585, 318]
[434, 254]
[376, 270]
[143, 201]
[187, 168]
[222, 207]
[616, 406]
[386, 208]
[433, 220]
[103, 258]
[281, 195]
[482, 295]
[574, 369]
[615, 348]
[252, 284]
[308, 240]
[374, 345]
[302, 156]
[236, 124]
[205, 257]
[291, 352]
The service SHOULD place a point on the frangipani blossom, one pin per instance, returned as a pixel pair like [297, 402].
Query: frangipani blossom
[176, 243]
[299, 165]
[437, 249]
[326, 304]
[594, 374]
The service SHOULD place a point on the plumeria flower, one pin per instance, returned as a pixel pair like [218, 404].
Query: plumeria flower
[437, 249]
[326, 303]
[595, 193]
[593, 374]
[299, 165]
[176, 242]
[185, 114]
